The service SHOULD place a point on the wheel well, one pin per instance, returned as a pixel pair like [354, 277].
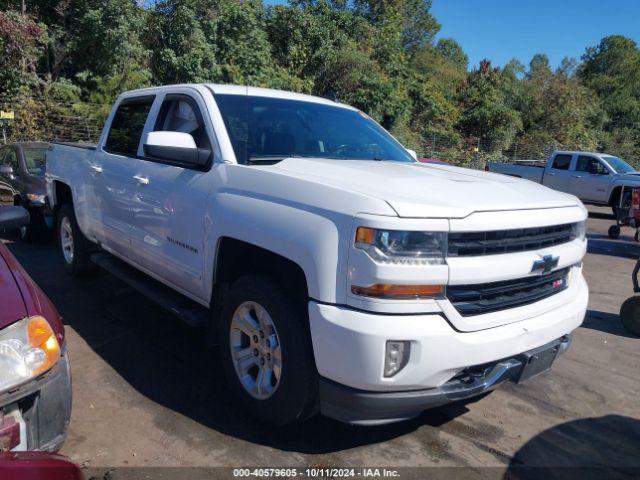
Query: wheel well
[237, 258]
[63, 194]
[615, 196]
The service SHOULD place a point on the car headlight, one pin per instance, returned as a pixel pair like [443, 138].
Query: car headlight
[33, 198]
[27, 349]
[403, 247]
[579, 230]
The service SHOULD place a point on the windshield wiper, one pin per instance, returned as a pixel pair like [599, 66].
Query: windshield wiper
[267, 159]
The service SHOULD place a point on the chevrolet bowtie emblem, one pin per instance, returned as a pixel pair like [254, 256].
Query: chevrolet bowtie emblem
[545, 264]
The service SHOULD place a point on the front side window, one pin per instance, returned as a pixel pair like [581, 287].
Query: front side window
[266, 130]
[11, 159]
[180, 113]
[127, 126]
[34, 159]
[562, 162]
[590, 165]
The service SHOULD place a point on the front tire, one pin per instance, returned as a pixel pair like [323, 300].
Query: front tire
[76, 248]
[266, 352]
[36, 231]
[630, 315]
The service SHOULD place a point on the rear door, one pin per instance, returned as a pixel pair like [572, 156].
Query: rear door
[590, 179]
[113, 170]
[169, 222]
[559, 174]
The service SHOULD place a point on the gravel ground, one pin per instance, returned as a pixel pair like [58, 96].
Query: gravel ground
[147, 391]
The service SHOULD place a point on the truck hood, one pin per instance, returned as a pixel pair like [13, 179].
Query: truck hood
[628, 177]
[428, 190]
[13, 306]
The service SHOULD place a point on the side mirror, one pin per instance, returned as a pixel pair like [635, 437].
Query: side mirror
[6, 170]
[413, 153]
[13, 218]
[176, 147]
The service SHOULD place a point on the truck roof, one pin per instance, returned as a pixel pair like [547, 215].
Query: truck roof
[580, 152]
[243, 90]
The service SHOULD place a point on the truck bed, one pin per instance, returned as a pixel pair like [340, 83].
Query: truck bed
[528, 169]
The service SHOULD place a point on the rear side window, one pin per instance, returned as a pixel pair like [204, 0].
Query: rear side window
[562, 162]
[127, 126]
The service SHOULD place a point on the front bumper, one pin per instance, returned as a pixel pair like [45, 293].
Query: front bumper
[374, 408]
[349, 346]
[44, 405]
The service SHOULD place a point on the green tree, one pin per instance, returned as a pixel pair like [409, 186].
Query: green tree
[486, 114]
[19, 36]
[612, 71]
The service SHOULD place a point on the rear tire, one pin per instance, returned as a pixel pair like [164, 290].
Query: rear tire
[614, 232]
[36, 231]
[76, 248]
[630, 315]
[256, 308]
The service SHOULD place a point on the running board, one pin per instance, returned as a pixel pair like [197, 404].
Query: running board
[184, 308]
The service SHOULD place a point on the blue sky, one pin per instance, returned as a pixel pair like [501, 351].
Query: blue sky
[504, 29]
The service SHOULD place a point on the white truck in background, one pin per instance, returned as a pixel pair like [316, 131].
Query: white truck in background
[336, 272]
[595, 178]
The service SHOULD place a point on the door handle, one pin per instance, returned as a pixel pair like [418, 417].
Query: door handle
[141, 180]
[96, 168]
[551, 174]
[576, 176]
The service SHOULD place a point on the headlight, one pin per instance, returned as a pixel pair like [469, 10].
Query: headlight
[27, 349]
[400, 247]
[33, 198]
[579, 230]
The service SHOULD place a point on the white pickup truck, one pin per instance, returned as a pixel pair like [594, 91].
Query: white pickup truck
[595, 178]
[336, 272]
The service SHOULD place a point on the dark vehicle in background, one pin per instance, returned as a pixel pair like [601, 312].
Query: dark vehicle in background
[22, 182]
[35, 379]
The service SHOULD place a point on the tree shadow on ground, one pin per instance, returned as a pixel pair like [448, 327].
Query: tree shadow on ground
[624, 247]
[171, 364]
[603, 447]
[605, 322]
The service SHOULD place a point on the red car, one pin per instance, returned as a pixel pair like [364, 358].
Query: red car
[37, 466]
[35, 379]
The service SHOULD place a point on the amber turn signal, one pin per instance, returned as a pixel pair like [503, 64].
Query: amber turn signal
[365, 235]
[399, 292]
[41, 336]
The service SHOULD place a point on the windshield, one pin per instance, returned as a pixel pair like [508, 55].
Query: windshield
[619, 165]
[266, 130]
[34, 158]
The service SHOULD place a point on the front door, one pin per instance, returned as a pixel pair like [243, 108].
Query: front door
[590, 180]
[8, 192]
[169, 223]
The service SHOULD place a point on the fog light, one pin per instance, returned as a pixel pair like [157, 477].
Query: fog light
[396, 356]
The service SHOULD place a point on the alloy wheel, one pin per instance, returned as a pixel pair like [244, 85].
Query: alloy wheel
[255, 350]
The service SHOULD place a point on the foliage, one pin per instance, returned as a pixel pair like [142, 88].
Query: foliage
[69, 59]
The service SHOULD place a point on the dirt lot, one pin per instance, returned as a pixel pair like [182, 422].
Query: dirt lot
[147, 392]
